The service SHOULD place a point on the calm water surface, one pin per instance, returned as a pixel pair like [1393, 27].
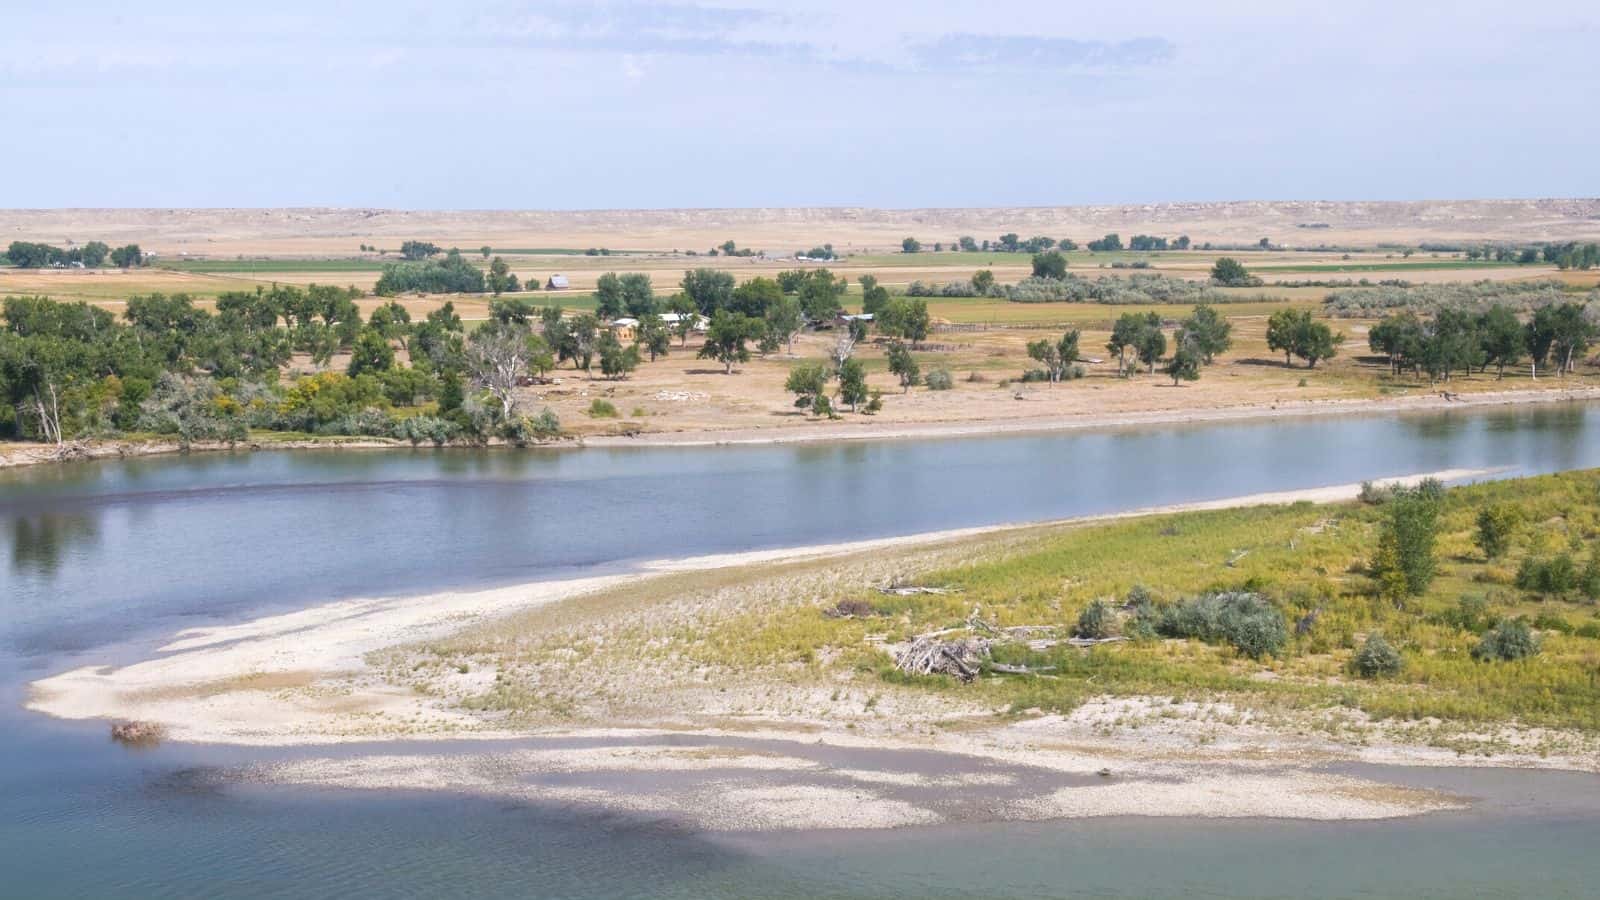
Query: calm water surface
[100, 558]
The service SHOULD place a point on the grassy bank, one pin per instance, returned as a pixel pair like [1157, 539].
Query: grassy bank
[1311, 562]
[761, 642]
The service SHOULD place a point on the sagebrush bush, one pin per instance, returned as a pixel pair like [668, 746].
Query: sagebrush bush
[602, 409]
[1508, 641]
[1377, 658]
[1243, 619]
[1097, 621]
[939, 380]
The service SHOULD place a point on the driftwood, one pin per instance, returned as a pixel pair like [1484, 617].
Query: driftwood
[909, 591]
[937, 653]
[138, 734]
[929, 655]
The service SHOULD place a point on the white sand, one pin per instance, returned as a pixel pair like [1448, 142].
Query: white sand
[257, 682]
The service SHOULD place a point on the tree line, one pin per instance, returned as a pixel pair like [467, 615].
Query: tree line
[1456, 340]
[93, 255]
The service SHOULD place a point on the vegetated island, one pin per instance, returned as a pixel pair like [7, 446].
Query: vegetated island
[1206, 660]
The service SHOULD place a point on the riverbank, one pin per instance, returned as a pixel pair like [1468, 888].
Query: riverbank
[736, 740]
[26, 454]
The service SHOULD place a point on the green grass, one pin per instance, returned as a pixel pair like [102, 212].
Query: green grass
[1420, 265]
[1306, 558]
[251, 266]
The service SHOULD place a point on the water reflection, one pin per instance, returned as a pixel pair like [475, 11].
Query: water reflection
[40, 542]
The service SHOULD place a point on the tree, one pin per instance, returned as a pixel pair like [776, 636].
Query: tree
[982, 282]
[1152, 343]
[808, 381]
[873, 295]
[497, 358]
[94, 254]
[392, 321]
[638, 294]
[853, 383]
[725, 339]
[1400, 337]
[1050, 265]
[576, 339]
[911, 245]
[485, 250]
[1501, 338]
[709, 289]
[783, 321]
[418, 250]
[1317, 342]
[1571, 333]
[1108, 243]
[1404, 564]
[1229, 272]
[608, 302]
[128, 257]
[1185, 363]
[905, 318]
[1055, 356]
[819, 293]
[1206, 332]
[903, 365]
[1127, 333]
[756, 296]
[501, 280]
[653, 336]
[616, 361]
[371, 353]
[1497, 524]
[1296, 333]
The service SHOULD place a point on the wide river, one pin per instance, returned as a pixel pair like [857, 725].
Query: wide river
[103, 559]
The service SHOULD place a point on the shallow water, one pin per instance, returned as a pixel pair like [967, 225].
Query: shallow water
[97, 555]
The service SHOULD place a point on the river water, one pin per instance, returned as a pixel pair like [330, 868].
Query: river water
[101, 559]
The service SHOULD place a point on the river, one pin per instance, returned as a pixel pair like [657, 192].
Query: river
[103, 558]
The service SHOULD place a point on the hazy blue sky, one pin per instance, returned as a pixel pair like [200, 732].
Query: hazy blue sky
[757, 103]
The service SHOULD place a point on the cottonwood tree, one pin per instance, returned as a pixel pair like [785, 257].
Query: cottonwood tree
[903, 365]
[808, 381]
[1050, 265]
[616, 361]
[1296, 333]
[783, 321]
[726, 337]
[1404, 565]
[1055, 356]
[1185, 363]
[1228, 271]
[1206, 332]
[1501, 338]
[853, 383]
[874, 296]
[709, 289]
[497, 358]
[905, 318]
[653, 336]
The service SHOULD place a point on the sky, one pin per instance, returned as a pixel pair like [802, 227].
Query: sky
[556, 105]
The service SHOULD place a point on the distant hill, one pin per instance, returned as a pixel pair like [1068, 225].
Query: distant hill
[314, 231]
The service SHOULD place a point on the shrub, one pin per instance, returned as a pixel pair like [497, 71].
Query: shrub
[1246, 620]
[1097, 621]
[1552, 622]
[1557, 576]
[417, 429]
[190, 408]
[1510, 640]
[1587, 630]
[939, 380]
[602, 409]
[1496, 525]
[532, 429]
[1377, 658]
[1404, 564]
[1035, 375]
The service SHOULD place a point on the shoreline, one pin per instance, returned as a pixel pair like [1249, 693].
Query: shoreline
[305, 680]
[18, 455]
